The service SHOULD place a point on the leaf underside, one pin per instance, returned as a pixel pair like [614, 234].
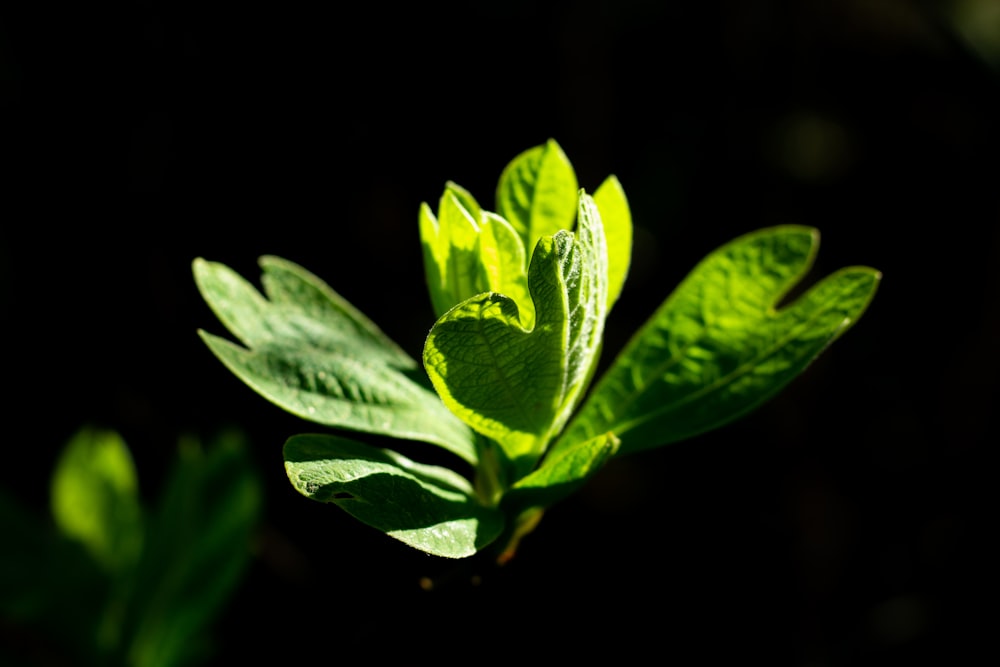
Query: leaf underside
[427, 507]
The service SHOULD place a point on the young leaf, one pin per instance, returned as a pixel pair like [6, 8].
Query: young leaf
[469, 251]
[503, 265]
[518, 386]
[718, 347]
[617, 217]
[537, 192]
[95, 498]
[427, 507]
[450, 248]
[561, 474]
[314, 355]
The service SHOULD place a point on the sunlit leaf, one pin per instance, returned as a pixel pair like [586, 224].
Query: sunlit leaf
[450, 248]
[617, 218]
[561, 473]
[537, 192]
[503, 265]
[718, 347]
[515, 385]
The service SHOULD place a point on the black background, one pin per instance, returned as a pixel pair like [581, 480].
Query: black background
[842, 524]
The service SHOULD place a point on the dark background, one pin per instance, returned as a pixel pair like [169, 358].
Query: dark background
[842, 524]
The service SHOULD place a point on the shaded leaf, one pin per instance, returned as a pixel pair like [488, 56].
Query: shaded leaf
[300, 310]
[427, 507]
[48, 581]
[198, 548]
[314, 355]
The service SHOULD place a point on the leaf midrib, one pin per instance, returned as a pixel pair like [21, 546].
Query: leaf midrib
[622, 428]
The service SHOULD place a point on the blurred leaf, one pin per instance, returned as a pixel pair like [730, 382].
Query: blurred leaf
[977, 24]
[95, 498]
[58, 571]
[198, 545]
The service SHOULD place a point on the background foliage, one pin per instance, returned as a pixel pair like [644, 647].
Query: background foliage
[841, 524]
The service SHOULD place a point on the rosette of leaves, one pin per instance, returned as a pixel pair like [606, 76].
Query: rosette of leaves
[521, 295]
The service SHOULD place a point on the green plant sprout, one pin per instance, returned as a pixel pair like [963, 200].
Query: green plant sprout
[508, 363]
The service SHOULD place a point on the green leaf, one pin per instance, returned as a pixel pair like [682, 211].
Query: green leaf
[469, 251]
[537, 193]
[617, 218]
[465, 199]
[299, 309]
[561, 474]
[503, 265]
[198, 548]
[718, 347]
[314, 355]
[515, 385]
[427, 507]
[95, 498]
[450, 248]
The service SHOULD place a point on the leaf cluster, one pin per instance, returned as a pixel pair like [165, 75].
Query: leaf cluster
[521, 295]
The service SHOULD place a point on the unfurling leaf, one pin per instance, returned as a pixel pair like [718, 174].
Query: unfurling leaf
[515, 385]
